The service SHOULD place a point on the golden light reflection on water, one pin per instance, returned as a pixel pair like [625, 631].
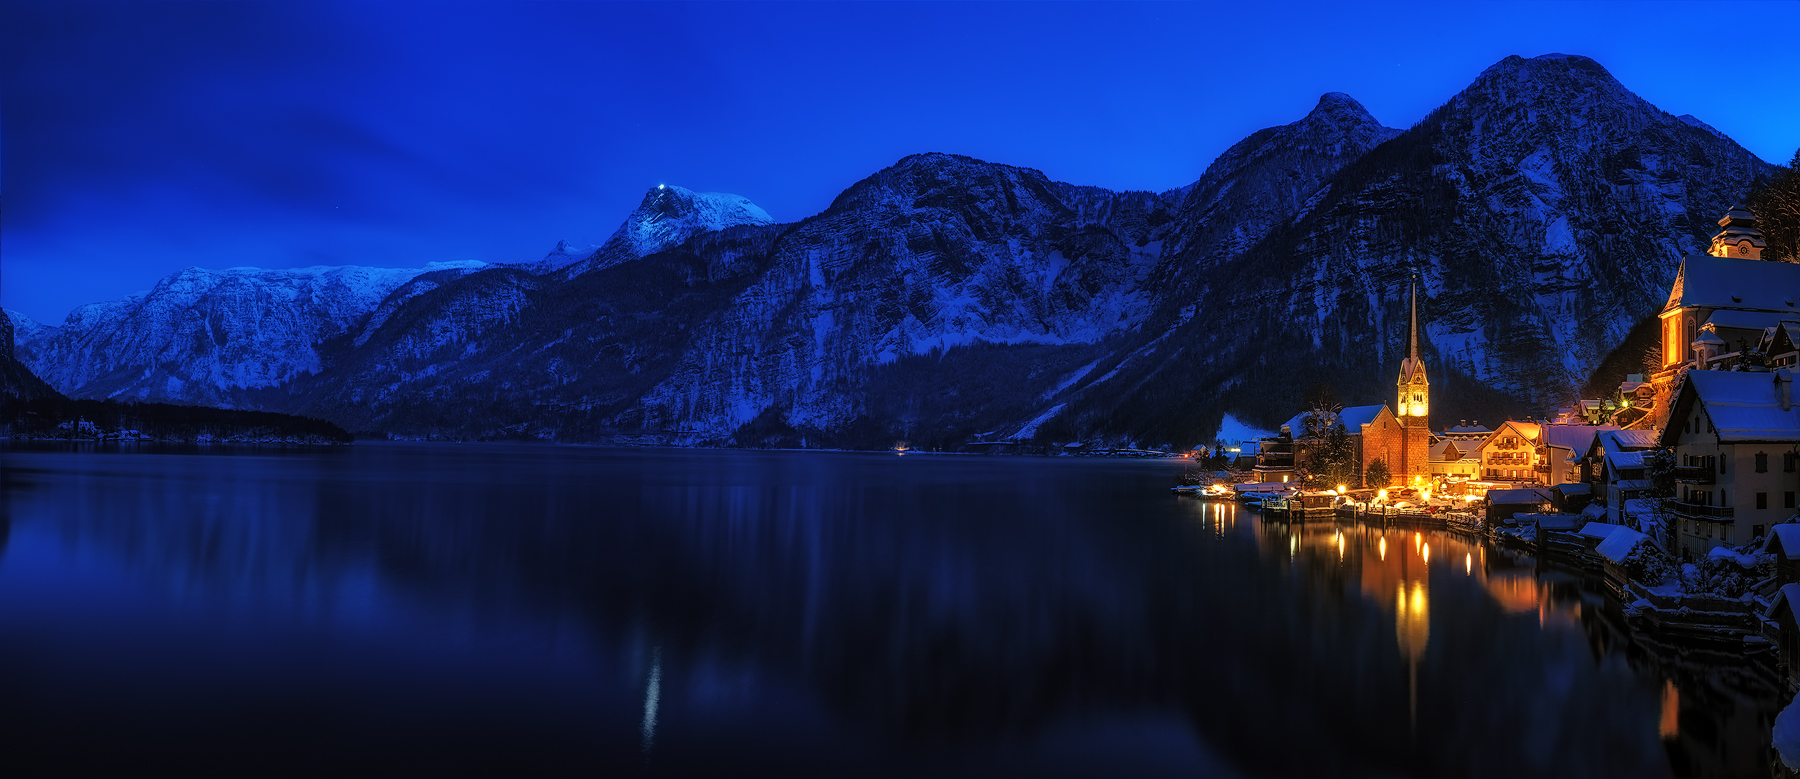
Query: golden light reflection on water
[1412, 622]
[1669, 726]
[1340, 554]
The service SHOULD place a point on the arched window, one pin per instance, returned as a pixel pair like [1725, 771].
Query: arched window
[1693, 331]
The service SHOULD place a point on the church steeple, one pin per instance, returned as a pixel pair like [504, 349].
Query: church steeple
[1413, 353]
[1738, 236]
[1415, 390]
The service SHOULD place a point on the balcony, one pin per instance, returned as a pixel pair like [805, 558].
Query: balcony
[1696, 511]
[1695, 474]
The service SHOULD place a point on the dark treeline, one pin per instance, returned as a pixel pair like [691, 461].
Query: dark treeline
[106, 420]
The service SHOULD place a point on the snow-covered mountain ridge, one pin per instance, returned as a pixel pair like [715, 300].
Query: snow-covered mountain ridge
[1544, 208]
[203, 336]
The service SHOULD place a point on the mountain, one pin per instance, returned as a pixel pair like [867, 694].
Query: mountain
[668, 216]
[17, 382]
[946, 299]
[207, 337]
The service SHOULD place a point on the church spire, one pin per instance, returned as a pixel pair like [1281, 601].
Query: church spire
[1414, 352]
[1414, 387]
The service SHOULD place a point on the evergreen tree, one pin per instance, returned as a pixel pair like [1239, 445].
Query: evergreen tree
[1377, 476]
[1776, 203]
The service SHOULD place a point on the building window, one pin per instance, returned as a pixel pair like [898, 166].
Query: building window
[1724, 500]
[1787, 500]
[1762, 462]
[1787, 462]
[1762, 500]
[1725, 533]
[1721, 464]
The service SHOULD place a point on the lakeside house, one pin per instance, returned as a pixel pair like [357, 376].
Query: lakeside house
[1511, 453]
[1562, 447]
[1615, 464]
[1453, 459]
[1734, 435]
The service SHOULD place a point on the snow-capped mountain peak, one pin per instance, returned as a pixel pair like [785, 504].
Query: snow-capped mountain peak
[669, 215]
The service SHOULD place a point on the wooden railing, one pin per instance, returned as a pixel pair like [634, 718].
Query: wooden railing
[1697, 511]
[1694, 474]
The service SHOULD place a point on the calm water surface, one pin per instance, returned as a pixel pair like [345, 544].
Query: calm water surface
[473, 609]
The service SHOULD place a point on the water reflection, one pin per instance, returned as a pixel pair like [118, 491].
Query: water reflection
[790, 613]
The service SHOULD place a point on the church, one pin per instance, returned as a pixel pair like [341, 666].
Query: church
[1724, 302]
[1399, 437]
[1405, 446]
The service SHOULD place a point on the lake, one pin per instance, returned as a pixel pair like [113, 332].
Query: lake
[473, 609]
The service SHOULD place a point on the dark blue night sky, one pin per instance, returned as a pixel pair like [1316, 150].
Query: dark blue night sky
[140, 138]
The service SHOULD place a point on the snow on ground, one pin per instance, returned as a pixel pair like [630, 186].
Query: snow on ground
[1232, 429]
[1030, 428]
[1787, 736]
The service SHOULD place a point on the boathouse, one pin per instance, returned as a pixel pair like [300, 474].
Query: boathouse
[1784, 543]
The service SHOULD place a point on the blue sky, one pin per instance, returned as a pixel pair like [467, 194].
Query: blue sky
[144, 137]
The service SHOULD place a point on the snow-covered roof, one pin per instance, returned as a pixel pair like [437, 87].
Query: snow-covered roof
[1468, 429]
[1628, 440]
[1296, 426]
[1789, 533]
[1730, 282]
[1594, 511]
[1790, 594]
[1451, 450]
[1550, 521]
[1746, 320]
[1635, 484]
[1743, 406]
[1619, 543]
[1623, 460]
[1355, 417]
[1263, 486]
[1574, 488]
[1709, 337]
[1576, 437]
[1599, 529]
[1518, 496]
[1640, 507]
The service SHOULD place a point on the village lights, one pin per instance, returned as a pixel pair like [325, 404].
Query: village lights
[1426, 551]
[1383, 548]
[1342, 489]
[1468, 563]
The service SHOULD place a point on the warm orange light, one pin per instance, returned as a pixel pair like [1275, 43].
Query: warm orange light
[1670, 725]
[1468, 563]
[1383, 548]
[1427, 552]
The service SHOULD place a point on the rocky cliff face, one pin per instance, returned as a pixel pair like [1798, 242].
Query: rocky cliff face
[1544, 208]
[17, 382]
